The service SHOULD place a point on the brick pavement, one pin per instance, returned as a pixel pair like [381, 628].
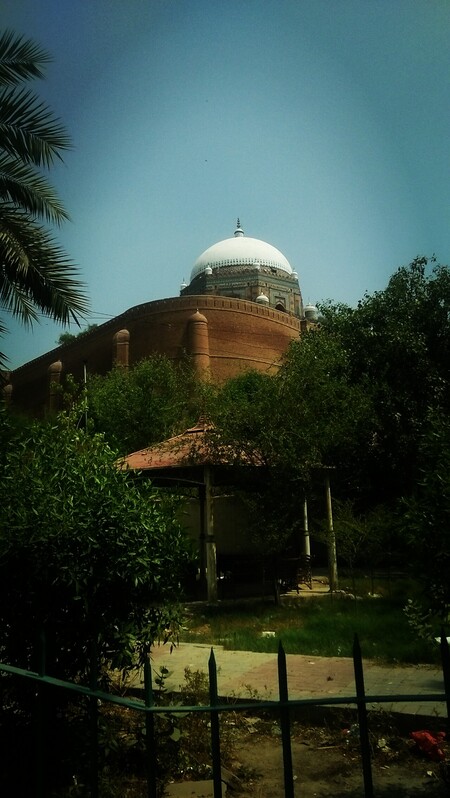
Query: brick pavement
[243, 674]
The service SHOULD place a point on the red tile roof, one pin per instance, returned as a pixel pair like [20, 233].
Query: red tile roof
[187, 449]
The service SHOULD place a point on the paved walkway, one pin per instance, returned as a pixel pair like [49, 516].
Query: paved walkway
[244, 674]
[247, 674]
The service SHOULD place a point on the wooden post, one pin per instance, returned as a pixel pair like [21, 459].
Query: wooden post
[306, 548]
[211, 555]
[331, 540]
[202, 540]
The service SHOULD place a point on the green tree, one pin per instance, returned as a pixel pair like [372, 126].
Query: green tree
[327, 416]
[301, 417]
[364, 540]
[426, 519]
[87, 551]
[67, 337]
[398, 347]
[147, 403]
[293, 424]
[35, 273]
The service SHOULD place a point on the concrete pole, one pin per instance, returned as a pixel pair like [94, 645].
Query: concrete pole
[306, 541]
[211, 554]
[331, 539]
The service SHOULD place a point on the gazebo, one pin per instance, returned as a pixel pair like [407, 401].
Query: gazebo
[190, 461]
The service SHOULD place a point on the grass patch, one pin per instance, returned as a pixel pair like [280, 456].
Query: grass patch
[319, 627]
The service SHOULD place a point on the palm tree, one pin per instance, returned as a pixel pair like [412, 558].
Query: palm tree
[36, 275]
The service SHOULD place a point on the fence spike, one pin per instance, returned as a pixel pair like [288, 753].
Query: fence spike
[150, 738]
[445, 657]
[215, 729]
[362, 719]
[93, 717]
[40, 716]
[285, 722]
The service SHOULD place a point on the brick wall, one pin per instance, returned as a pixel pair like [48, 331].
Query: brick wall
[242, 335]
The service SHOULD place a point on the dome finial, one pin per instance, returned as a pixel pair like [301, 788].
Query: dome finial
[239, 231]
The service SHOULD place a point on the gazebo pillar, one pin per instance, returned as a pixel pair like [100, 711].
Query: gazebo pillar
[210, 543]
[306, 546]
[202, 539]
[331, 540]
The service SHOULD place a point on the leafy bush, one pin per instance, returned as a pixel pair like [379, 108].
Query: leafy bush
[87, 551]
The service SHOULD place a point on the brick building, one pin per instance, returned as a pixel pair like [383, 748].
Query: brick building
[240, 310]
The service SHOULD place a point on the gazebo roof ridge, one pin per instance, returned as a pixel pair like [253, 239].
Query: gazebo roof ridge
[187, 449]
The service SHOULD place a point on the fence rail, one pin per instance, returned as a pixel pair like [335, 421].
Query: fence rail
[283, 708]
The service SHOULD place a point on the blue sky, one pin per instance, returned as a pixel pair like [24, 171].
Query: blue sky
[324, 125]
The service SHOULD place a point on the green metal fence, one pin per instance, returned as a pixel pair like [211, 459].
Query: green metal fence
[281, 709]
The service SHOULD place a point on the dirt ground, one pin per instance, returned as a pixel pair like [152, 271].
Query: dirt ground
[327, 763]
[325, 754]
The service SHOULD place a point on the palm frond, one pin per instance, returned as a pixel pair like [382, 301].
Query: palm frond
[20, 59]
[22, 187]
[36, 275]
[3, 357]
[35, 266]
[15, 300]
[29, 130]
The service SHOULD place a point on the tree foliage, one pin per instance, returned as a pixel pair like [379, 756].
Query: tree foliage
[398, 347]
[35, 273]
[291, 425]
[300, 418]
[67, 337]
[87, 551]
[147, 403]
[426, 516]
[354, 396]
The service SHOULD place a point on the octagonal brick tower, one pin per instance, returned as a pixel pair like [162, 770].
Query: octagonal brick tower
[246, 268]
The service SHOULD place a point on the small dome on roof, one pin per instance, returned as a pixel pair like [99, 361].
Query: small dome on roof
[262, 299]
[241, 251]
[198, 317]
[311, 312]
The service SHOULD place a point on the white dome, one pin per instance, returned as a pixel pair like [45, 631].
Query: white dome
[240, 251]
[311, 312]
